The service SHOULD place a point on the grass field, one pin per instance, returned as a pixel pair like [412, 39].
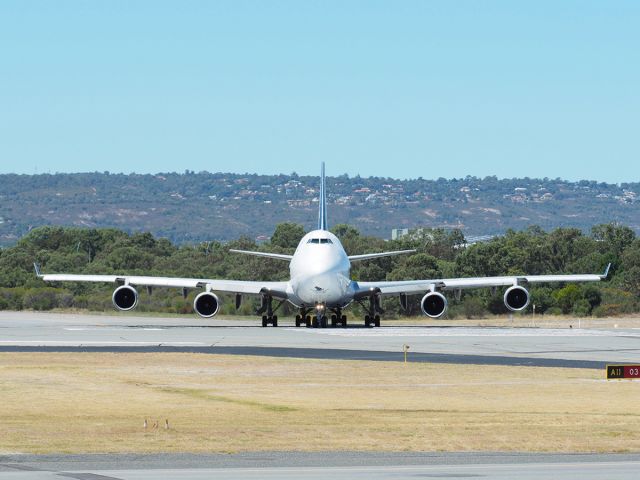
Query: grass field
[87, 402]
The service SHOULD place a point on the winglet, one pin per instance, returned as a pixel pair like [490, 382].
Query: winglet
[322, 214]
[606, 272]
[37, 269]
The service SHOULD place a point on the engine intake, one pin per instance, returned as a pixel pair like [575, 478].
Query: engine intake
[206, 304]
[125, 298]
[434, 304]
[516, 298]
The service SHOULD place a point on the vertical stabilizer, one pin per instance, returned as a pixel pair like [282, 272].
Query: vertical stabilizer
[322, 215]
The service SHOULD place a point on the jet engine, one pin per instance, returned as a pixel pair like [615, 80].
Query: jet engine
[125, 297]
[206, 304]
[516, 298]
[433, 304]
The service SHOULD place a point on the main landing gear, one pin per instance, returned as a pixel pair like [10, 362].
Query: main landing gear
[266, 320]
[303, 318]
[372, 319]
[320, 320]
[338, 319]
[267, 307]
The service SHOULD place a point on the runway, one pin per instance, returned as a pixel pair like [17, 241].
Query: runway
[522, 346]
[344, 465]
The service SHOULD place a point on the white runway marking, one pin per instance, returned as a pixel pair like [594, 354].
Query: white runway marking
[110, 329]
[99, 343]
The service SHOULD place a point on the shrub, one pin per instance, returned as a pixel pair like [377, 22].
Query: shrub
[40, 298]
[582, 308]
[473, 307]
[11, 298]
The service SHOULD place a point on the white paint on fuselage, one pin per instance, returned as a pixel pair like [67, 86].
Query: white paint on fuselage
[320, 272]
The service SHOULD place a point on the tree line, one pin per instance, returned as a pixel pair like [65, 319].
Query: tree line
[439, 253]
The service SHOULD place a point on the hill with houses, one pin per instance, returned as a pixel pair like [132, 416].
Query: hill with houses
[192, 207]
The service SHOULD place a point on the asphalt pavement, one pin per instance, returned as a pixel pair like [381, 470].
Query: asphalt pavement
[335, 465]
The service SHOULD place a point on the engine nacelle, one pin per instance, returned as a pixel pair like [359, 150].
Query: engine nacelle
[125, 298]
[206, 304]
[434, 304]
[516, 298]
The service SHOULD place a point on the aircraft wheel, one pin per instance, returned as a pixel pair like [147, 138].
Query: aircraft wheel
[264, 320]
[334, 321]
[367, 321]
[376, 321]
[307, 321]
[343, 321]
[274, 320]
[298, 320]
[314, 322]
[323, 322]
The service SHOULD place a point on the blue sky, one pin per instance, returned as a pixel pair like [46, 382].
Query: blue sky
[396, 88]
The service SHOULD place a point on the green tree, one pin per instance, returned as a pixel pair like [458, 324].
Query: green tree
[416, 267]
[567, 297]
[287, 235]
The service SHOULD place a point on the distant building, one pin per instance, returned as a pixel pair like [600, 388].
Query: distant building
[397, 233]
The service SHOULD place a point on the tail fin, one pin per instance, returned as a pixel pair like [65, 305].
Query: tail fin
[322, 214]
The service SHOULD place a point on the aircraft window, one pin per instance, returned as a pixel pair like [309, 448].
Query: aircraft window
[313, 240]
[325, 240]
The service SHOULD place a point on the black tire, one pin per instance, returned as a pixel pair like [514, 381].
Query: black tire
[298, 321]
[307, 321]
[314, 322]
[334, 321]
[376, 321]
[343, 321]
[274, 320]
[367, 321]
[323, 322]
[264, 321]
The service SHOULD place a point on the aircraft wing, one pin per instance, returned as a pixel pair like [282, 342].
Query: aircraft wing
[367, 256]
[276, 289]
[277, 256]
[409, 287]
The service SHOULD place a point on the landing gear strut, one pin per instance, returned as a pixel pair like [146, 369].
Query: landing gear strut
[372, 319]
[267, 307]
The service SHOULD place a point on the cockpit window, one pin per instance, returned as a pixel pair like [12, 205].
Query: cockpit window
[319, 240]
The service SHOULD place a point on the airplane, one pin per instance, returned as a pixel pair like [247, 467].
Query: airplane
[320, 285]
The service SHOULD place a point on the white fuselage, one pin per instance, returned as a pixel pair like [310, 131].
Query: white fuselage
[320, 272]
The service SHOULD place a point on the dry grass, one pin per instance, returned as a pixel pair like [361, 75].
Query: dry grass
[86, 402]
